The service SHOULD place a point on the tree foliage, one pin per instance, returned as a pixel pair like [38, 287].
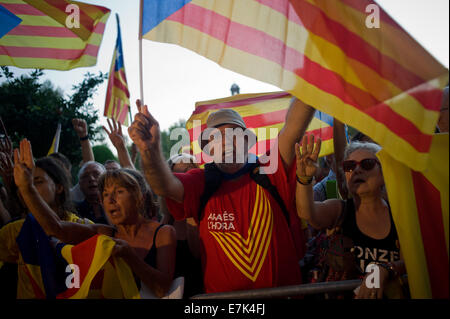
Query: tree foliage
[166, 142]
[31, 108]
[102, 153]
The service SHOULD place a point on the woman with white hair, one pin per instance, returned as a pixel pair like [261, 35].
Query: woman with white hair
[365, 218]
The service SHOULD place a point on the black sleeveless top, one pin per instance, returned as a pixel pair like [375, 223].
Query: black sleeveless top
[150, 258]
[365, 248]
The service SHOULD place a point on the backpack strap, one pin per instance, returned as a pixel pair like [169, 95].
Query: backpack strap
[213, 180]
[264, 181]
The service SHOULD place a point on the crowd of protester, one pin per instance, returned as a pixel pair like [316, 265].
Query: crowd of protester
[226, 227]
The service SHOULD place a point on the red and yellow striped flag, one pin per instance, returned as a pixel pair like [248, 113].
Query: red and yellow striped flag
[261, 112]
[378, 80]
[420, 209]
[56, 270]
[42, 40]
[117, 104]
[100, 275]
[61, 10]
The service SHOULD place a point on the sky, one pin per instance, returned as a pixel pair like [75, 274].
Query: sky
[176, 78]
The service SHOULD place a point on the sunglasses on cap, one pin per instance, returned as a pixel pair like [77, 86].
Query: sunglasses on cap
[366, 164]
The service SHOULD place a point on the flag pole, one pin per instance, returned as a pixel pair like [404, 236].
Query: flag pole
[57, 137]
[141, 77]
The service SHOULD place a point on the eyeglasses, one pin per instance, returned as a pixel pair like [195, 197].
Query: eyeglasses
[366, 164]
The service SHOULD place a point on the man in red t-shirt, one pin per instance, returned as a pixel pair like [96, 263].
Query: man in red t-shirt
[246, 240]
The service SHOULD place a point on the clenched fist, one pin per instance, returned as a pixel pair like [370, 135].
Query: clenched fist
[80, 126]
[144, 131]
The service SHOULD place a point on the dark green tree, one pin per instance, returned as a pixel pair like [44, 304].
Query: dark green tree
[102, 153]
[31, 108]
[166, 142]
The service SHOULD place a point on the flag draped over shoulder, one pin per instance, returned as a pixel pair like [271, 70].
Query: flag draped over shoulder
[44, 40]
[55, 143]
[117, 103]
[98, 274]
[378, 80]
[262, 113]
[420, 208]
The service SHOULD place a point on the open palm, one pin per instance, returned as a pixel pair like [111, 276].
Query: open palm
[306, 155]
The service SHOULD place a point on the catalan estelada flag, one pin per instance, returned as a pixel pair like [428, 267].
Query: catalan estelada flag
[378, 80]
[117, 103]
[420, 208]
[55, 143]
[261, 112]
[96, 273]
[8, 21]
[62, 10]
[43, 39]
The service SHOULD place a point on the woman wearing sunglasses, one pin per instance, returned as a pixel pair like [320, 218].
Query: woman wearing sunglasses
[365, 217]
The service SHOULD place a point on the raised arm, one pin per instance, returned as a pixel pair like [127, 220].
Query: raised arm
[134, 153]
[320, 215]
[12, 204]
[340, 143]
[298, 118]
[67, 232]
[4, 214]
[80, 127]
[117, 139]
[144, 132]
[6, 166]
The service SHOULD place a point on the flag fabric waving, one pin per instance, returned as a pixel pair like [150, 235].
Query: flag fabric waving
[67, 10]
[55, 143]
[42, 40]
[97, 274]
[261, 112]
[420, 208]
[117, 103]
[378, 80]
[8, 21]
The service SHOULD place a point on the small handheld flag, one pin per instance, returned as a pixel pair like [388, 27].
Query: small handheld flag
[55, 144]
[117, 103]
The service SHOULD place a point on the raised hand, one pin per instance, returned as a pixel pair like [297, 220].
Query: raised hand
[307, 156]
[134, 152]
[6, 146]
[144, 131]
[80, 126]
[115, 133]
[6, 168]
[23, 165]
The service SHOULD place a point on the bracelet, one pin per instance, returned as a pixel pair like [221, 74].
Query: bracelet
[84, 138]
[305, 180]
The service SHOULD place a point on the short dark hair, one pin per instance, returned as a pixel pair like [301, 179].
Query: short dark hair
[110, 161]
[63, 159]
